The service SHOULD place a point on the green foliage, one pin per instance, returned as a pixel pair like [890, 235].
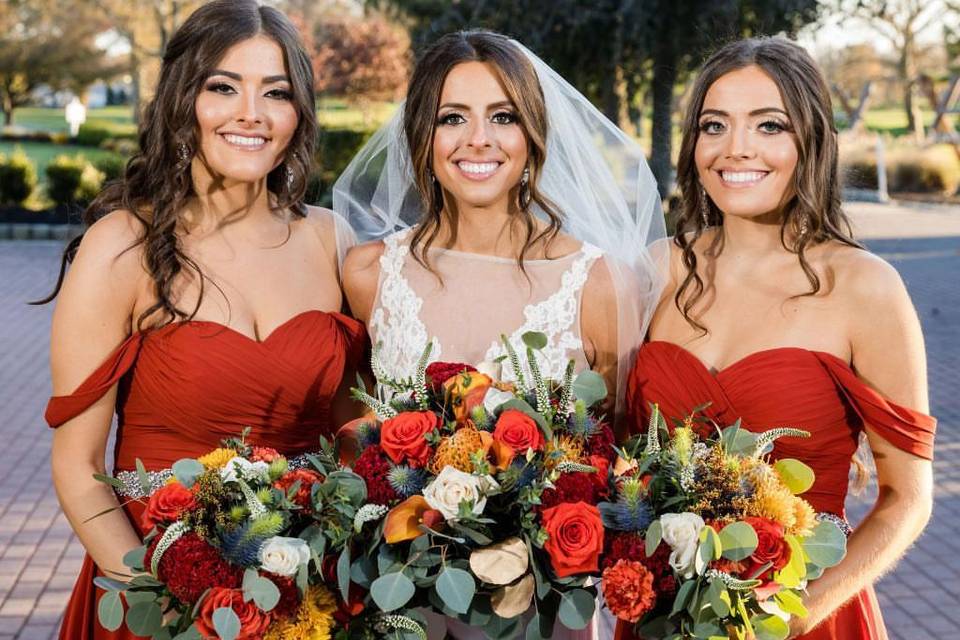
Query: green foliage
[111, 166]
[739, 540]
[18, 177]
[91, 136]
[72, 179]
[391, 591]
[336, 149]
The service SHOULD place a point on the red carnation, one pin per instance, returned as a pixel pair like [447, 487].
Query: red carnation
[601, 479]
[571, 487]
[373, 467]
[191, 566]
[601, 443]
[253, 621]
[630, 546]
[167, 504]
[264, 454]
[289, 595]
[628, 590]
[307, 478]
[440, 372]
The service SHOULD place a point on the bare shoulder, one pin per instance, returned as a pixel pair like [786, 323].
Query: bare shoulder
[322, 223]
[361, 275]
[864, 279]
[111, 246]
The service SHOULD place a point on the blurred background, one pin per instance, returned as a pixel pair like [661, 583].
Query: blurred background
[75, 74]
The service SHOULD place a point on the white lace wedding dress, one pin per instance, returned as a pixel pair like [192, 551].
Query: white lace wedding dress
[464, 306]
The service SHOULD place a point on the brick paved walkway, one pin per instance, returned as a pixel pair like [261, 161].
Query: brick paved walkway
[39, 557]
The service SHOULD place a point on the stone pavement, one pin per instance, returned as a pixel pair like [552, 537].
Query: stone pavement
[39, 557]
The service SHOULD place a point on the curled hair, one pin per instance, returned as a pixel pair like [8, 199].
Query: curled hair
[815, 205]
[157, 182]
[520, 82]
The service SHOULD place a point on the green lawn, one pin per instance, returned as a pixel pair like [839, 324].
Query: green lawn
[333, 113]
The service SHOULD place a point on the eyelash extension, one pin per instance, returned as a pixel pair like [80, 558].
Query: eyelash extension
[448, 118]
[510, 117]
[218, 87]
[776, 123]
[282, 94]
[705, 126]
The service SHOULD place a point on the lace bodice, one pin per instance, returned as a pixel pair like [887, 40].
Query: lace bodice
[475, 300]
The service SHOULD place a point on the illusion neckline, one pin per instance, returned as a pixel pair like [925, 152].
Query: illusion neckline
[715, 372]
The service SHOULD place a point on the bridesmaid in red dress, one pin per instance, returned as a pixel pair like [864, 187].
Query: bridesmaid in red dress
[775, 315]
[207, 298]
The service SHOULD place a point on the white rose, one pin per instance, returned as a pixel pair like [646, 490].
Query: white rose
[489, 368]
[237, 468]
[283, 556]
[494, 398]
[682, 532]
[452, 486]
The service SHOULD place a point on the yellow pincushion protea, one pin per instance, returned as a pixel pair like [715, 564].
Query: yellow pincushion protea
[455, 451]
[313, 621]
[771, 499]
[570, 448]
[217, 459]
[806, 518]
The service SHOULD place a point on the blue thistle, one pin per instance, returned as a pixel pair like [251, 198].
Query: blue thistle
[368, 434]
[406, 481]
[526, 473]
[241, 546]
[580, 423]
[629, 513]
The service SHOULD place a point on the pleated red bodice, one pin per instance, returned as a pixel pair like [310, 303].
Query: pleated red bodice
[187, 385]
[787, 387]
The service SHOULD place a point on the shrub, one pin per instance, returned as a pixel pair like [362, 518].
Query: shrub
[337, 147]
[860, 173]
[111, 166]
[18, 177]
[72, 179]
[934, 169]
[123, 146]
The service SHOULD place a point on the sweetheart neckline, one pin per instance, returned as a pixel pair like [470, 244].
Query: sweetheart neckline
[750, 356]
[280, 327]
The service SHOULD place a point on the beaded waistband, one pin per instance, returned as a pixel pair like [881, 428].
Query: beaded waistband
[841, 523]
[133, 488]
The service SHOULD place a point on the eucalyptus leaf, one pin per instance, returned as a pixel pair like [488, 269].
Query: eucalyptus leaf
[187, 470]
[534, 339]
[263, 592]
[352, 485]
[576, 608]
[683, 596]
[144, 618]
[739, 541]
[769, 627]
[392, 591]
[135, 558]
[109, 584]
[110, 611]
[524, 407]
[143, 477]
[226, 623]
[363, 571]
[826, 546]
[457, 588]
[343, 573]
[719, 598]
[590, 387]
[110, 480]
[189, 634]
[797, 476]
[654, 535]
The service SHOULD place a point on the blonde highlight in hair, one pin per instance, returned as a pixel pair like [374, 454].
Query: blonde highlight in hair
[519, 79]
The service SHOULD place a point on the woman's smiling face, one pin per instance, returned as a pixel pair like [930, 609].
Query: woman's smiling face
[479, 148]
[746, 152]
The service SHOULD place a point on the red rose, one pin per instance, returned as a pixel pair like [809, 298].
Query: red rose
[440, 372]
[771, 547]
[307, 478]
[253, 621]
[167, 504]
[576, 538]
[403, 437]
[518, 431]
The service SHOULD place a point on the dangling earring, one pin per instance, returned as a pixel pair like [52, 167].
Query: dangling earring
[290, 175]
[525, 178]
[433, 176]
[704, 207]
[803, 226]
[183, 151]
[525, 188]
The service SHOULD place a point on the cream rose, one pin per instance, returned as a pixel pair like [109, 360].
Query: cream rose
[237, 468]
[452, 486]
[495, 398]
[490, 368]
[682, 532]
[283, 556]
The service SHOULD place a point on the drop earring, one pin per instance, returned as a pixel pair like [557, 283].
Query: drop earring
[704, 207]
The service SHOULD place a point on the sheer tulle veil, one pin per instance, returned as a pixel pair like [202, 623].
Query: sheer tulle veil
[594, 173]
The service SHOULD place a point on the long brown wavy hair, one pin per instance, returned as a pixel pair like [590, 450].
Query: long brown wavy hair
[157, 182]
[815, 206]
[522, 87]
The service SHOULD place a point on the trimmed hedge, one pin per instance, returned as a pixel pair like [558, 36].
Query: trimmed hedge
[933, 169]
[112, 166]
[72, 179]
[18, 177]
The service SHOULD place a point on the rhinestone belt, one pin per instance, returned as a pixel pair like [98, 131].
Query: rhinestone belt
[133, 488]
[841, 523]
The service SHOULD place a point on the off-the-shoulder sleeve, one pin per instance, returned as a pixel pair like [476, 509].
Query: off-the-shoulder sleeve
[63, 408]
[903, 427]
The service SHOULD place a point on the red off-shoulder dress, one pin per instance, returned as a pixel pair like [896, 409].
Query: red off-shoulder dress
[187, 385]
[787, 387]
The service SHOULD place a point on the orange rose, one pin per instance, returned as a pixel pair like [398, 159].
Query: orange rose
[253, 621]
[466, 391]
[519, 431]
[576, 538]
[307, 478]
[167, 504]
[403, 437]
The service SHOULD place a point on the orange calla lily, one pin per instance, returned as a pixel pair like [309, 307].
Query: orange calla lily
[404, 520]
[466, 391]
[498, 453]
[348, 445]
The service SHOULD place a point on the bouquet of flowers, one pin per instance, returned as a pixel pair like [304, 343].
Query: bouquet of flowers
[708, 537]
[236, 547]
[488, 495]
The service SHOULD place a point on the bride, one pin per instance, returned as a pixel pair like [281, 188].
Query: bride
[499, 201]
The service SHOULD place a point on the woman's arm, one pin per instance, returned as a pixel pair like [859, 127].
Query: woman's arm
[888, 353]
[93, 316]
[599, 326]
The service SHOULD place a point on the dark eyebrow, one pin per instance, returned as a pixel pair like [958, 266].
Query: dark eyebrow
[238, 77]
[490, 107]
[755, 112]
